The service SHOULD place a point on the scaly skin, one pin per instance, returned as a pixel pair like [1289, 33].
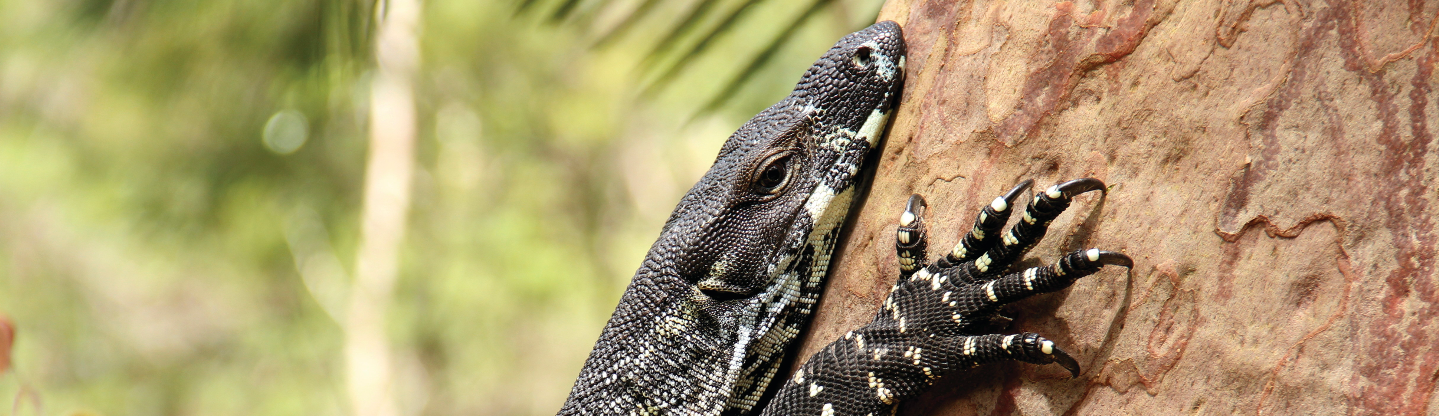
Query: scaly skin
[739, 266]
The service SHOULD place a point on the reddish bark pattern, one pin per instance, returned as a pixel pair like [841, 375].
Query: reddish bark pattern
[1273, 173]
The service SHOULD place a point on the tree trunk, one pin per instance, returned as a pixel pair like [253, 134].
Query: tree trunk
[1272, 174]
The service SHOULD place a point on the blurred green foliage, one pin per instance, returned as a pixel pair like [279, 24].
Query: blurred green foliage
[180, 189]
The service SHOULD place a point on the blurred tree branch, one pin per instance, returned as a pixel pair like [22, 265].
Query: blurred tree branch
[388, 173]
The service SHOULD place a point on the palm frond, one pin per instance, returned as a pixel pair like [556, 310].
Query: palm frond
[699, 47]
[690, 22]
[733, 86]
[699, 27]
[564, 11]
[524, 6]
[626, 24]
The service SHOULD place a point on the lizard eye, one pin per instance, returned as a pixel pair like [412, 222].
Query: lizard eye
[773, 174]
[862, 56]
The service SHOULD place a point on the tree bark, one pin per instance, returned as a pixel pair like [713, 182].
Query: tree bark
[1272, 173]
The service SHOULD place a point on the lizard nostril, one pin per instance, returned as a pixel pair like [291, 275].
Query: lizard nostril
[862, 56]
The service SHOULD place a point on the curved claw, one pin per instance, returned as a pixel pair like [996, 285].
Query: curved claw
[1018, 191]
[1079, 186]
[1064, 360]
[915, 207]
[1110, 258]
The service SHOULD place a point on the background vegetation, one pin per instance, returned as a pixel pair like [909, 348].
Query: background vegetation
[180, 189]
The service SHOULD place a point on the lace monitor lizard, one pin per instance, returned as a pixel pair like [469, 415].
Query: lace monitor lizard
[738, 269]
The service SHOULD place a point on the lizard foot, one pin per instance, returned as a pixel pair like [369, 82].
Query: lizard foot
[938, 316]
[969, 282]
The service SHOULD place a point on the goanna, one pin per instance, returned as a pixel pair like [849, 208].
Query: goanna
[738, 269]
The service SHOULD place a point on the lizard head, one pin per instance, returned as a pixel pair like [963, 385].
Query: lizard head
[777, 176]
[752, 240]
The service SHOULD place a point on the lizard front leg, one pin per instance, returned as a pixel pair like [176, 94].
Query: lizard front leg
[936, 318]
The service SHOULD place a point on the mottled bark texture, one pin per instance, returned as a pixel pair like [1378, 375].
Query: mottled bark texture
[1273, 176]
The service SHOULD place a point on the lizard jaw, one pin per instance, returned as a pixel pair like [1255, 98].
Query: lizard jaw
[799, 272]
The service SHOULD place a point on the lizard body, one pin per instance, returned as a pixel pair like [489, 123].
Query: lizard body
[704, 325]
[739, 265]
